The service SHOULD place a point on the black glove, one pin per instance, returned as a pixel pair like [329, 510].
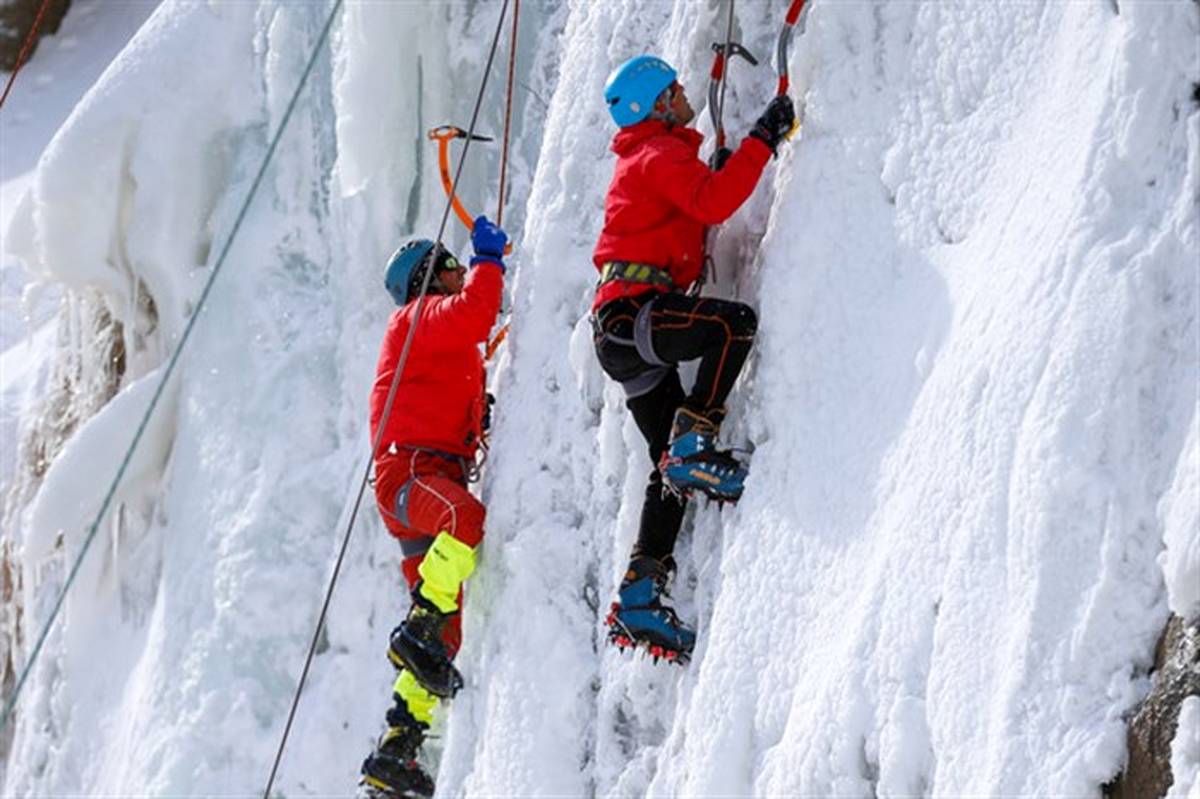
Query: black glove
[776, 122]
[719, 158]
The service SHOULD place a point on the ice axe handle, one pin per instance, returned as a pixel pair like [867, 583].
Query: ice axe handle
[443, 135]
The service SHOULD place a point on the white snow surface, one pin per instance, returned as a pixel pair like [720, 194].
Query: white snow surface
[973, 402]
[1185, 752]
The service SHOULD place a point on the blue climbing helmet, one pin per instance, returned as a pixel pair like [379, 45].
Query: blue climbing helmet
[403, 266]
[633, 87]
[407, 266]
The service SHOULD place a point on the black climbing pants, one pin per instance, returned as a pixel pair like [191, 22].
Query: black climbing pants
[639, 341]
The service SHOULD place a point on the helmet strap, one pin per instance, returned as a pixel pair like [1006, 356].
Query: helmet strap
[668, 115]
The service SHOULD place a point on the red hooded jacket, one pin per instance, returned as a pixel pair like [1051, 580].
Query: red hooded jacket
[441, 400]
[662, 198]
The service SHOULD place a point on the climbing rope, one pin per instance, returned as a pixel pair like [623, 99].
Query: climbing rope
[512, 68]
[494, 343]
[168, 371]
[26, 47]
[387, 409]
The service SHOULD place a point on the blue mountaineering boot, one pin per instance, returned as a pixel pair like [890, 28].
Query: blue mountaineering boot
[392, 770]
[417, 645]
[639, 618]
[692, 461]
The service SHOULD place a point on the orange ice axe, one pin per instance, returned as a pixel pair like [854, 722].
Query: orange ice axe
[443, 136]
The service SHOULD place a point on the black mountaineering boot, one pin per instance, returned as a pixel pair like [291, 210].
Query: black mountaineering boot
[392, 770]
[417, 645]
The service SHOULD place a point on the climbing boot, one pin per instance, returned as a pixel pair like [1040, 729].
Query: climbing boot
[692, 461]
[416, 645]
[640, 619]
[392, 770]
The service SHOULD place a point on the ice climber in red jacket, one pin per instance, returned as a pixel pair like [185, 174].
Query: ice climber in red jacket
[661, 200]
[422, 466]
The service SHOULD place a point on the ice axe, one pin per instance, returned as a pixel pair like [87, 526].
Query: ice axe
[725, 51]
[443, 135]
[781, 53]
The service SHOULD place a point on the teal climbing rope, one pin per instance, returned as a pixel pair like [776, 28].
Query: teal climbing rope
[11, 704]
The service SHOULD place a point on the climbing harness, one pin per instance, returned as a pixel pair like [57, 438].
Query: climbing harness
[169, 369]
[26, 47]
[631, 272]
[390, 401]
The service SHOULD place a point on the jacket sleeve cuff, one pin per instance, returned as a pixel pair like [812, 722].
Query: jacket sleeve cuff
[760, 148]
[488, 259]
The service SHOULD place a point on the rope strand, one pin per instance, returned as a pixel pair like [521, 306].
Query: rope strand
[167, 372]
[512, 66]
[26, 47]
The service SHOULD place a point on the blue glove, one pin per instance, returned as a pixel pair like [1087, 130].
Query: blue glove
[489, 241]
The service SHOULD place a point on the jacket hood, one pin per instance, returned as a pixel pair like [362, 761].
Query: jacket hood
[628, 139]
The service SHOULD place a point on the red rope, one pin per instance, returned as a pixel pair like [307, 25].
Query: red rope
[25, 48]
[512, 64]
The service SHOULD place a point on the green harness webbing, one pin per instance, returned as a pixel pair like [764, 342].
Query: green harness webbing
[630, 272]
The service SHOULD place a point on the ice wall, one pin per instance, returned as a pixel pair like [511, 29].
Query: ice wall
[976, 373]
[971, 403]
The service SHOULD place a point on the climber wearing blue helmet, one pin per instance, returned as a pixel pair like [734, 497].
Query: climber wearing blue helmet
[428, 440]
[660, 203]
[634, 88]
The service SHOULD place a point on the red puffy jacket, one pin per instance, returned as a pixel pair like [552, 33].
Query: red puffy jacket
[662, 198]
[441, 400]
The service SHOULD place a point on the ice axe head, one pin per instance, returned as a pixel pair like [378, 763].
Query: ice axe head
[448, 132]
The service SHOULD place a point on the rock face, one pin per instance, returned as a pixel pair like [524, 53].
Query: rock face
[1177, 676]
[16, 20]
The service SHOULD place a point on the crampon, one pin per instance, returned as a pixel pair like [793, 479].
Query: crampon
[620, 636]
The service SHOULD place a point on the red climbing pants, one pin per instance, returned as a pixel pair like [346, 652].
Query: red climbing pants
[422, 493]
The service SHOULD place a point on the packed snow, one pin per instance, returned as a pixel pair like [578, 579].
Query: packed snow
[975, 487]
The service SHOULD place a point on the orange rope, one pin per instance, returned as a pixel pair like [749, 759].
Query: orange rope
[512, 66]
[25, 49]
